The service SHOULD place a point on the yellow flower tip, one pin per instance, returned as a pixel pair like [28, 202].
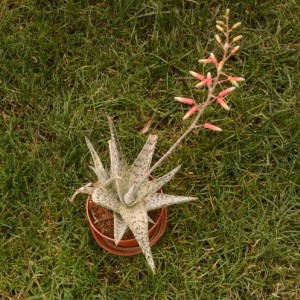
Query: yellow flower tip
[192, 73]
[220, 28]
[220, 23]
[221, 101]
[237, 38]
[236, 25]
[235, 49]
[204, 60]
[200, 84]
[218, 39]
[227, 12]
[234, 83]
[235, 80]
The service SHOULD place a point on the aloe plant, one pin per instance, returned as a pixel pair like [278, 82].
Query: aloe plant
[127, 192]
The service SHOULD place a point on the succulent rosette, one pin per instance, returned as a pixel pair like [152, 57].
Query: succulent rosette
[125, 190]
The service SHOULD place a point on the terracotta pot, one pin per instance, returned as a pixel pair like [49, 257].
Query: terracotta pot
[128, 247]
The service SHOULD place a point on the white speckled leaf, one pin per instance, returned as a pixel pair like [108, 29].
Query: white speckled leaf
[87, 189]
[114, 146]
[118, 171]
[137, 220]
[159, 200]
[114, 160]
[94, 170]
[150, 187]
[122, 185]
[119, 227]
[98, 169]
[142, 163]
[129, 195]
[106, 198]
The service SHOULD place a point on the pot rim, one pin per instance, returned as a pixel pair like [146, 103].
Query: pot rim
[152, 228]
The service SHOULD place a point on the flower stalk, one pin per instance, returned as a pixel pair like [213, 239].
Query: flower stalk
[229, 48]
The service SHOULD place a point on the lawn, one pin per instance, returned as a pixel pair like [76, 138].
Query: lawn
[65, 65]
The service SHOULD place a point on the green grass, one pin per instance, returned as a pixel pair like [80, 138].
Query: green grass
[64, 65]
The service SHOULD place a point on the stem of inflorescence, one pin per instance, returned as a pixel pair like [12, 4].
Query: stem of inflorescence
[211, 84]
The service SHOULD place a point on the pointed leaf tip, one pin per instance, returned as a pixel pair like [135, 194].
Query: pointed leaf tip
[156, 201]
[137, 220]
[142, 163]
[98, 167]
[119, 228]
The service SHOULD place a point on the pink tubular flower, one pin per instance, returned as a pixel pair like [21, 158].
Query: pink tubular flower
[197, 75]
[235, 49]
[191, 111]
[205, 60]
[227, 91]
[235, 80]
[185, 100]
[221, 101]
[213, 58]
[220, 66]
[212, 127]
[238, 78]
[205, 81]
[209, 78]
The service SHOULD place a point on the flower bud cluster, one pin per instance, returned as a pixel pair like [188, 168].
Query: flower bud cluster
[215, 83]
